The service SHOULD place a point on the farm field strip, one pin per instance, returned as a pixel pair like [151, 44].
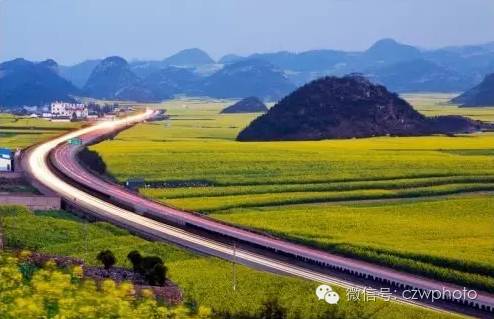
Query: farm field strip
[225, 162]
[21, 140]
[402, 183]
[18, 132]
[10, 121]
[218, 203]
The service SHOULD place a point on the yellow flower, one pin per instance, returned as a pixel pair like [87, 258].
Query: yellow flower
[23, 255]
[204, 312]
[50, 265]
[78, 272]
[147, 293]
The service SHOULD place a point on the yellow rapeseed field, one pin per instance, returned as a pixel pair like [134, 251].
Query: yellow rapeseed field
[411, 193]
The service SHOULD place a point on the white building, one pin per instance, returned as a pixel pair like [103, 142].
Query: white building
[69, 110]
[6, 160]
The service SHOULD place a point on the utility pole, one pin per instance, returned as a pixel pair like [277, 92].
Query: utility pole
[86, 235]
[1, 233]
[234, 266]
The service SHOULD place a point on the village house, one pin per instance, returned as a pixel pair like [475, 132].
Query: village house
[6, 160]
[69, 110]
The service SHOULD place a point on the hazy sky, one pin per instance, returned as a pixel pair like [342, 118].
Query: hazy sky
[73, 30]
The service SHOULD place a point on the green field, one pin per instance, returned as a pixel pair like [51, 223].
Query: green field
[447, 239]
[19, 132]
[389, 200]
[205, 280]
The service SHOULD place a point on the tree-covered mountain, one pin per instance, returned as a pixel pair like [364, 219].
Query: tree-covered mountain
[170, 81]
[388, 51]
[347, 107]
[230, 58]
[27, 83]
[79, 73]
[250, 104]
[247, 78]
[480, 95]
[113, 79]
[189, 58]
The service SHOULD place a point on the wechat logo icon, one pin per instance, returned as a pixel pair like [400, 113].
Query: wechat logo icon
[326, 293]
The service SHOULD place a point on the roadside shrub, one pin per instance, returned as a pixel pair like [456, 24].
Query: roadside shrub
[92, 160]
[135, 258]
[107, 258]
[152, 268]
[157, 275]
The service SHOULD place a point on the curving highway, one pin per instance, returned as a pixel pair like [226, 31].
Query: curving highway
[44, 163]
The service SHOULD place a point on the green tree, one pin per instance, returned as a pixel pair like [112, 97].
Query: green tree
[157, 275]
[151, 267]
[107, 258]
[135, 258]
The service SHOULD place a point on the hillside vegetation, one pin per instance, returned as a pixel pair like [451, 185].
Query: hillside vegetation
[29, 292]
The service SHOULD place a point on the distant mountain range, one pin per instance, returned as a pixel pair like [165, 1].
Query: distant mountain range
[421, 75]
[247, 78]
[400, 67]
[392, 64]
[114, 78]
[192, 72]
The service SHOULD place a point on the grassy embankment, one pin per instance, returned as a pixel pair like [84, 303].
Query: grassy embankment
[292, 189]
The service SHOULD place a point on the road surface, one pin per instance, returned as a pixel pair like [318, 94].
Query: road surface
[36, 162]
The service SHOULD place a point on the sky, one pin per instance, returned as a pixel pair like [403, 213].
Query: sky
[71, 31]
